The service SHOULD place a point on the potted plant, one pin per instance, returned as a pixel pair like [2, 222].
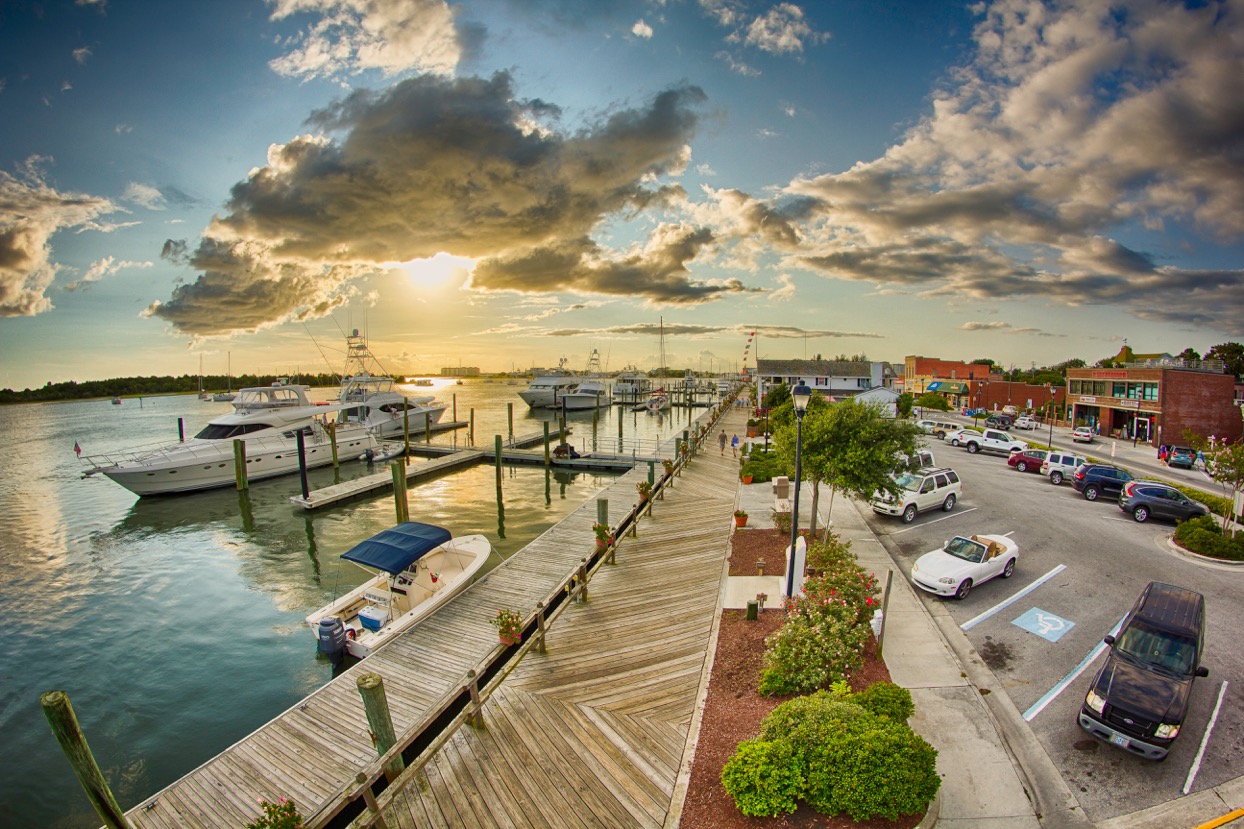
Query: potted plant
[669, 466]
[509, 626]
[603, 536]
[644, 489]
[752, 426]
[740, 518]
[280, 815]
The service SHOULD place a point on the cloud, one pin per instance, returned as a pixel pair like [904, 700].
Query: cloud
[104, 267]
[1069, 126]
[782, 30]
[641, 29]
[144, 195]
[346, 37]
[81, 54]
[30, 213]
[785, 293]
[737, 66]
[984, 326]
[458, 166]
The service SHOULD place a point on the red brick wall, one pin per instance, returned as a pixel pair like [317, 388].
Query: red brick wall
[1201, 403]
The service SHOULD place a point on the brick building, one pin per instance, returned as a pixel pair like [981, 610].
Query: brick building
[1157, 401]
[971, 386]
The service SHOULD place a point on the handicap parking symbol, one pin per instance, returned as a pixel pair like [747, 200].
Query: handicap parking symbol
[1046, 625]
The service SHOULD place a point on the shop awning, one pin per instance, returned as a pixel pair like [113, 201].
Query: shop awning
[947, 387]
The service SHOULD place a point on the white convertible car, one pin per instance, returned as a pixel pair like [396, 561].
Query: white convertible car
[963, 563]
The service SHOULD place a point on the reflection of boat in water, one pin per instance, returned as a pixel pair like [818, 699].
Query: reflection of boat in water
[372, 401]
[422, 567]
[268, 419]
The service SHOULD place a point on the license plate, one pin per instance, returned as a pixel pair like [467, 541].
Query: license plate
[1120, 741]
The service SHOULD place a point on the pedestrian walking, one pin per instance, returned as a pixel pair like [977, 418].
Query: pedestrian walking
[721, 441]
[1200, 459]
[734, 446]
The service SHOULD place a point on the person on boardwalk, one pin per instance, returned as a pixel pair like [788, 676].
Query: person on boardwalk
[721, 441]
[734, 446]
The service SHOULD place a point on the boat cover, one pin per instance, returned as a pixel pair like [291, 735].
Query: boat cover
[396, 548]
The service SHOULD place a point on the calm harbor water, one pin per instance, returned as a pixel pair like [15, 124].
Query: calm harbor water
[175, 624]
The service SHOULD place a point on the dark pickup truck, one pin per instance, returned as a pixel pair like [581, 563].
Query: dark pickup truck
[1140, 696]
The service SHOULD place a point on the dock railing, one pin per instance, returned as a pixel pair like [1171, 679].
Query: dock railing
[364, 800]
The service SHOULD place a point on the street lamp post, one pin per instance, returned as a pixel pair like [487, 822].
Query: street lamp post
[1049, 410]
[800, 395]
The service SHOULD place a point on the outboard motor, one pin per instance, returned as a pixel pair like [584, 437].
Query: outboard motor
[332, 638]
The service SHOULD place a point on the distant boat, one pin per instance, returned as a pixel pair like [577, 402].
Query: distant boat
[592, 391]
[372, 401]
[658, 402]
[422, 567]
[116, 401]
[547, 390]
[228, 395]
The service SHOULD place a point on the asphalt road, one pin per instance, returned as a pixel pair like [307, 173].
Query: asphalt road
[1036, 645]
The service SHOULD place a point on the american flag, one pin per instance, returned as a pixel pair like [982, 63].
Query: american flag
[77, 450]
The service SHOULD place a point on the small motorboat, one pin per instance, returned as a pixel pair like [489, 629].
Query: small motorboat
[421, 566]
[658, 402]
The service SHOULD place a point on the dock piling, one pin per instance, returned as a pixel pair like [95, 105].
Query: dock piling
[239, 464]
[376, 704]
[302, 462]
[72, 741]
[399, 492]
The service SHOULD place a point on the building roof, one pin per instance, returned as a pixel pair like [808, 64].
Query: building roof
[814, 368]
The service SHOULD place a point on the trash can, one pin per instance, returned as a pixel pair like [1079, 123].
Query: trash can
[781, 487]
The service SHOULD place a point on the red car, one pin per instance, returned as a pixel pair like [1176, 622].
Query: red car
[1029, 460]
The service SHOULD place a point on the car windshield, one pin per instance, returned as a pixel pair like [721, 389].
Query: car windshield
[1158, 648]
[966, 549]
[909, 482]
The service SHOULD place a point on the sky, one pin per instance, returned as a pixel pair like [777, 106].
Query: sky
[509, 183]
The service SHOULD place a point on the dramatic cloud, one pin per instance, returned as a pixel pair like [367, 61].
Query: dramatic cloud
[434, 165]
[30, 212]
[351, 36]
[1071, 124]
[984, 326]
[688, 331]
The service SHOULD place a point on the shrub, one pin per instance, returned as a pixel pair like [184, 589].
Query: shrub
[883, 770]
[847, 585]
[282, 814]
[813, 648]
[762, 466]
[764, 778]
[781, 521]
[1204, 536]
[885, 699]
[828, 551]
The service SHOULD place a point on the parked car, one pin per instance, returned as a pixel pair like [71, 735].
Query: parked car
[1010, 410]
[959, 436]
[937, 428]
[1153, 499]
[1059, 464]
[1029, 460]
[1183, 456]
[991, 440]
[1139, 698]
[904, 463]
[1082, 434]
[963, 563]
[1096, 479]
[999, 421]
[921, 490]
[1024, 422]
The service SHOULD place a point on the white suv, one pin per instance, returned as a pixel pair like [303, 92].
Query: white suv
[1059, 464]
[921, 490]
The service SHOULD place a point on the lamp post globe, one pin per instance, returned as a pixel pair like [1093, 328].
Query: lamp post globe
[800, 396]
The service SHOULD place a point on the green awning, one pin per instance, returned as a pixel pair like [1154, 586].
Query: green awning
[947, 387]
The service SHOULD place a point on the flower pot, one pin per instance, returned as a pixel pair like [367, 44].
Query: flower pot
[747, 479]
[510, 640]
[602, 543]
[740, 520]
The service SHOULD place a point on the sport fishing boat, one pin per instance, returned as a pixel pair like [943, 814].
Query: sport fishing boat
[268, 419]
[547, 390]
[421, 566]
[372, 401]
[592, 391]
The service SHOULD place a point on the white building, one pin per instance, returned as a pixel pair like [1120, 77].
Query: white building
[832, 379]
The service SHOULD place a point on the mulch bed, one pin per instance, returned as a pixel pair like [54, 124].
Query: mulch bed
[734, 708]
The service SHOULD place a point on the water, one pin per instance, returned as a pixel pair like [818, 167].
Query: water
[175, 624]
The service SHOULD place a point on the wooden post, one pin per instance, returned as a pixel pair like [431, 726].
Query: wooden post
[332, 440]
[181, 430]
[455, 401]
[239, 463]
[509, 414]
[302, 464]
[399, 492]
[72, 741]
[376, 704]
[885, 602]
[374, 816]
[582, 594]
[602, 510]
[540, 624]
[547, 458]
[476, 719]
[497, 448]
[753, 608]
[472, 435]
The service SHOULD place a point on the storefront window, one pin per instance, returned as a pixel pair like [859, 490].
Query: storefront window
[1151, 391]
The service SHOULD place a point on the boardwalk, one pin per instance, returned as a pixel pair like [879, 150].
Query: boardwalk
[592, 733]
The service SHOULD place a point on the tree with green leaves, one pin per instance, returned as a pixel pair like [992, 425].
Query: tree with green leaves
[903, 405]
[850, 446]
[1232, 356]
[1224, 462]
[933, 400]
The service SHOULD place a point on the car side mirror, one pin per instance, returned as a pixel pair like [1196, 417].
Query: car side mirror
[945, 545]
[1202, 671]
[1108, 639]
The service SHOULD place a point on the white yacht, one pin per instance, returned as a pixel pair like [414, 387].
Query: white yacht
[592, 391]
[547, 390]
[371, 400]
[631, 385]
[267, 418]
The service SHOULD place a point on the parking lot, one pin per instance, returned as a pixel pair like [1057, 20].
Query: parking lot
[1081, 567]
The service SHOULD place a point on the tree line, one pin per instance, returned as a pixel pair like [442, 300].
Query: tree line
[147, 386]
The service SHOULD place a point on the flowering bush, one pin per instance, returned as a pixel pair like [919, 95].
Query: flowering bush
[280, 815]
[811, 649]
[509, 624]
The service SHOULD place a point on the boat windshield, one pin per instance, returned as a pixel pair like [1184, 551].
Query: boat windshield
[225, 431]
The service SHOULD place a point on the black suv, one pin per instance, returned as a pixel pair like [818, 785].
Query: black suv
[1154, 499]
[999, 421]
[1140, 696]
[1094, 479]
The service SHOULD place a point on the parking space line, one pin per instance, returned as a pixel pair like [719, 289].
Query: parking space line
[1200, 752]
[935, 520]
[1048, 697]
[970, 623]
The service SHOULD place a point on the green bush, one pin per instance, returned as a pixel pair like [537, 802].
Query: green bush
[762, 466]
[878, 769]
[764, 778]
[885, 699]
[828, 551]
[1204, 536]
[845, 584]
[813, 648]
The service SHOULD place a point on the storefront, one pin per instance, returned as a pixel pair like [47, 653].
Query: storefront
[1154, 404]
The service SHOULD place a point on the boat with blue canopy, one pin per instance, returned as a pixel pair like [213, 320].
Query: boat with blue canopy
[422, 566]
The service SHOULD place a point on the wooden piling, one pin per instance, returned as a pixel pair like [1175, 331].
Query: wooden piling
[547, 459]
[497, 449]
[399, 492]
[72, 741]
[332, 439]
[376, 704]
[239, 464]
[509, 414]
[302, 463]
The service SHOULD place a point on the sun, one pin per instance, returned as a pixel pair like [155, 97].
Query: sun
[438, 271]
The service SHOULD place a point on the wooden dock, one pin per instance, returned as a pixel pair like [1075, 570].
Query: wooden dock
[594, 732]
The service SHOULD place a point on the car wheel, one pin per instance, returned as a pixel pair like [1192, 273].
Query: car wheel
[1021, 466]
[939, 435]
[1091, 493]
[954, 441]
[1009, 570]
[909, 514]
[949, 503]
[1056, 478]
[1141, 514]
[973, 448]
[964, 589]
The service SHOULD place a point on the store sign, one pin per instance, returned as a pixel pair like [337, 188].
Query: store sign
[1110, 375]
[1088, 399]
[1129, 404]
